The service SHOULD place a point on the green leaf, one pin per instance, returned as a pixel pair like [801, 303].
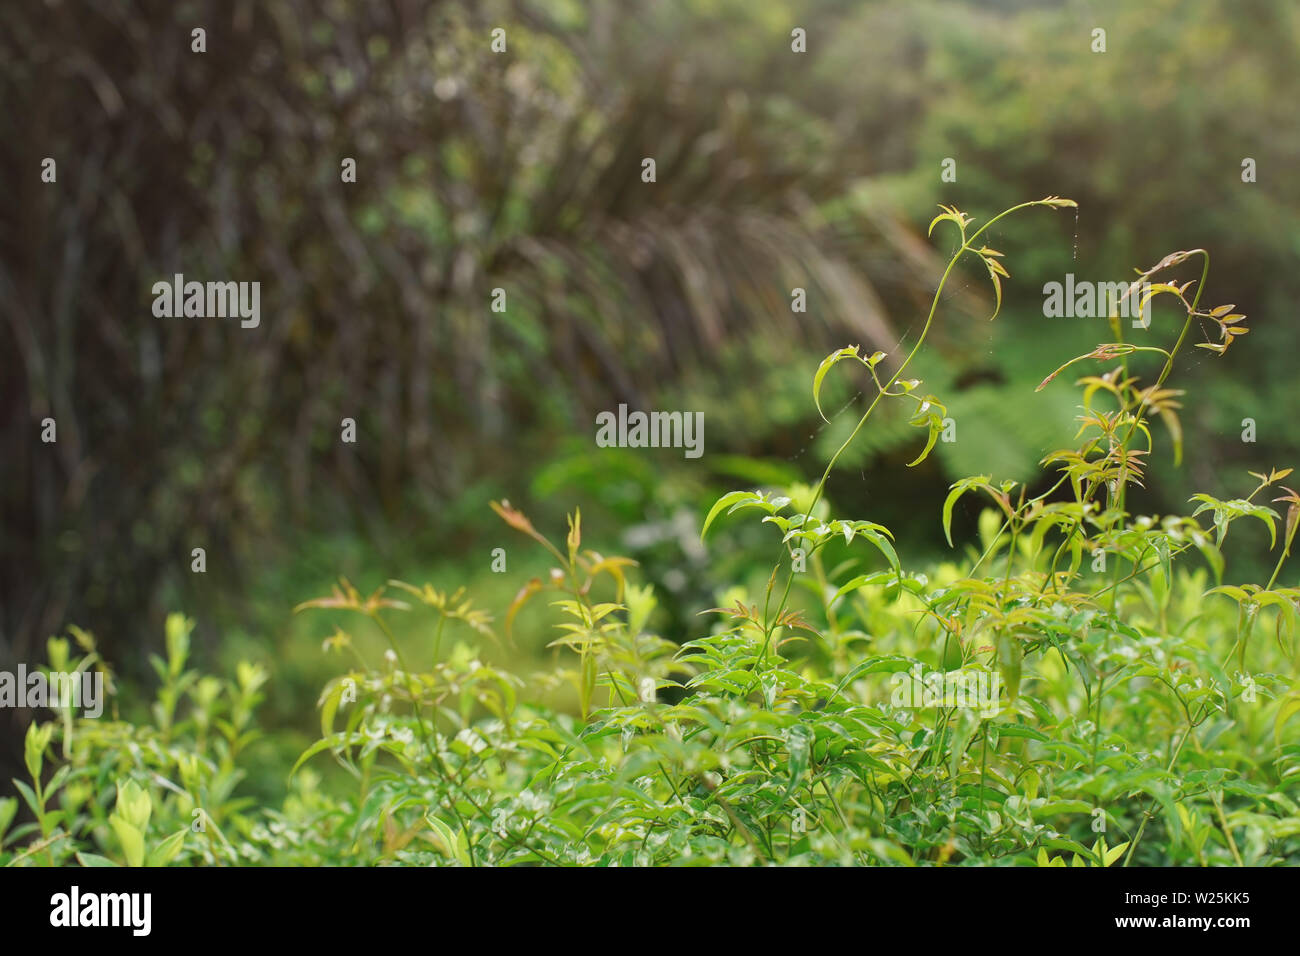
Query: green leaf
[1073, 847]
[800, 746]
[28, 794]
[1290, 707]
[1010, 654]
[936, 427]
[132, 841]
[949, 214]
[868, 531]
[325, 743]
[1114, 853]
[891, 664]
[8, 807]
[447, 841]
[862, 580]
[1020, 730]
[178, 628]
[958, 489]
[133, 804]
[994, 269]
[827, 364]
[37, 739]
[167, 850]
[724, 502]
[1055, 807]
[329, 704]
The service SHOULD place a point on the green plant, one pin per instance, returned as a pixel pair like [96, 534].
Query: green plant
[1059, 690]
[141, 793]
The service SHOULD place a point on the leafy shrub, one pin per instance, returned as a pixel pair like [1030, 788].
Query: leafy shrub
[1074, 690]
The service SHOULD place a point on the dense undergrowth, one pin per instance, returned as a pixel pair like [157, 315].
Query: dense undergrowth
[1077, 687]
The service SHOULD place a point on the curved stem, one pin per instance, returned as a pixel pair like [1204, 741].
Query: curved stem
[966, 246]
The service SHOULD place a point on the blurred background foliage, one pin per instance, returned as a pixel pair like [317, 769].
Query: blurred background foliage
[521, 171]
